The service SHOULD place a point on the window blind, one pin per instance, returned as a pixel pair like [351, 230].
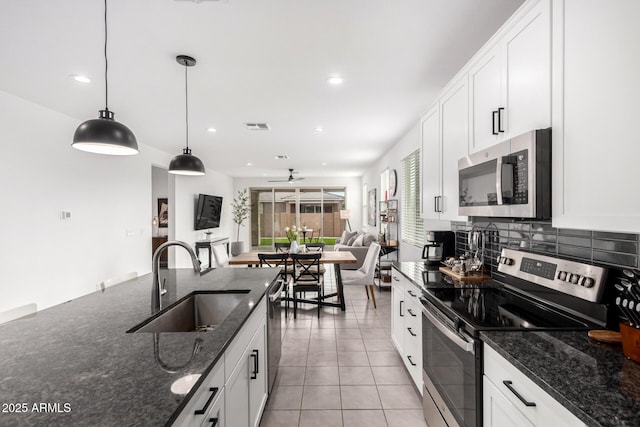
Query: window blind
[411, 225]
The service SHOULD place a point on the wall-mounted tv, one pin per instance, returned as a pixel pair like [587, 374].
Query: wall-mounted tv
[207, 212]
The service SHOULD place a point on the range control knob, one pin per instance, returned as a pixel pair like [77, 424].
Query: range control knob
[506, 261]
[562, 275]
[588, 282]
[574, 279]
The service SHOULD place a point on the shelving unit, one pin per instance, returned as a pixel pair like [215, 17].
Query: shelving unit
[388, 240]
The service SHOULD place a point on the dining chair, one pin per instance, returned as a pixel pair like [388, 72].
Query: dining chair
[364, 275]
[306, 277]
[278, 260]
[315, 246]
[221, 256]
[282, 247]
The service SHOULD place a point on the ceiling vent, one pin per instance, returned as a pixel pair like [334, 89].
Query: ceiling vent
[257, 126]
[281, 157]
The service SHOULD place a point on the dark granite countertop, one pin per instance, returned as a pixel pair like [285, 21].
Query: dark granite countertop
[77, 357]
[594, 381]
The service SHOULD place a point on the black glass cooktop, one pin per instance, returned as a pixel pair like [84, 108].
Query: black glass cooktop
[491, 305]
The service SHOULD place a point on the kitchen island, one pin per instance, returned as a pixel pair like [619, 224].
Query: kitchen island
[74, 364]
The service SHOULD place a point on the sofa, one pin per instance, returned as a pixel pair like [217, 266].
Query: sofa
[358, 244]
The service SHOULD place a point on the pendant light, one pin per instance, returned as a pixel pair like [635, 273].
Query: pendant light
[186, 163]
[104, 135]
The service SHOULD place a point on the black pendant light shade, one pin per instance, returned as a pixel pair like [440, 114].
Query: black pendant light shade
[186, 163]
[104, 135]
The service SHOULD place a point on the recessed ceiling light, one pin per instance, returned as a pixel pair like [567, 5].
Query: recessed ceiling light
[335, 80]
[79, 78]
[319, 129]
[212, 130]
[324, 163]
[249, 164]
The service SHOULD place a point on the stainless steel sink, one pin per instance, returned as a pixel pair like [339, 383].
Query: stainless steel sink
[197, 312]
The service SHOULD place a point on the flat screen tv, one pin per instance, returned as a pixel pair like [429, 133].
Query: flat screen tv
[207, 212]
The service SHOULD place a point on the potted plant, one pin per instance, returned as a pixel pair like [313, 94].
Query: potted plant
[240, 208]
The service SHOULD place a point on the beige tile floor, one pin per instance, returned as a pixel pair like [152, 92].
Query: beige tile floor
[342, 369]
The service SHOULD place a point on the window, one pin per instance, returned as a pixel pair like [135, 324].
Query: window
[411, 224]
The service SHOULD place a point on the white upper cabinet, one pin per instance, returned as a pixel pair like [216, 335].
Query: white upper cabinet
[596, 153]
[430, 151]
[454, 121]
[510, 84]
[445, 139]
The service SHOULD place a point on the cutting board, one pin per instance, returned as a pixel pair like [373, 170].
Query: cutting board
[470, 277]
[609, 337]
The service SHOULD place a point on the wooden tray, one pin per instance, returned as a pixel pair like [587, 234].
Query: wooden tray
[470, 277]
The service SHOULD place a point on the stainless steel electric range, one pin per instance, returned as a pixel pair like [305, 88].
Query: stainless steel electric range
[529, 292]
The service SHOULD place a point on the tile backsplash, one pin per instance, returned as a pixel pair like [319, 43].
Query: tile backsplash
[617, 250]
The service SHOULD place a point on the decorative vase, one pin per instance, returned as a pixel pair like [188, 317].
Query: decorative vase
[294, 248]
[237, 248]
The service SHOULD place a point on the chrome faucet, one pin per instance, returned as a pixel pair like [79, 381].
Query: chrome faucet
[156, 289]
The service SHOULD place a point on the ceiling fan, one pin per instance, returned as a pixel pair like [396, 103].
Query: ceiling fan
[290, 180]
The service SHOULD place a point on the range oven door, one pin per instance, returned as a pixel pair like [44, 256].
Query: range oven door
[274, 330]
[452, 372]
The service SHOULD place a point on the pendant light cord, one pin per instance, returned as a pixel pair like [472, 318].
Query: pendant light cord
[106, 62]
[186, 102]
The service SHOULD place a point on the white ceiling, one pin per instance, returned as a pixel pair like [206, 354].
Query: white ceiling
[258, 61]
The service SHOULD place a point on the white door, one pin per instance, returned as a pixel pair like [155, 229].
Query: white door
[595, 111]
[397, 312]
[527, 59]
[430, 152]
[498, 411]
[485, 82]
[454, 121]
[237, 394]
[258, 377]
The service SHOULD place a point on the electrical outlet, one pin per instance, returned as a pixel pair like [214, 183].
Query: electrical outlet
[65, 215]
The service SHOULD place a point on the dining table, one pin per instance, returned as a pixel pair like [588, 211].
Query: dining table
[336, 258]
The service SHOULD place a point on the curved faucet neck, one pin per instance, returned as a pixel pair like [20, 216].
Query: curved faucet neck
[156, 289]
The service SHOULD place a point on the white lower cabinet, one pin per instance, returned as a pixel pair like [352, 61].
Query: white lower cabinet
[510, 398]
[406, 328]
[235, 391]
[206, 407]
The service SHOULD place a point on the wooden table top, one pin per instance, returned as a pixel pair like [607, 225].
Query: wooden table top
[328, 257]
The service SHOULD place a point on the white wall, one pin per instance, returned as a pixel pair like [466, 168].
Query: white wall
[159, 189]
[392, 159]
[353, 196]
[47, 260]
[182, 205]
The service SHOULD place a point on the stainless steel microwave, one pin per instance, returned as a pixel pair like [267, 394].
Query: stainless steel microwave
[511, 179]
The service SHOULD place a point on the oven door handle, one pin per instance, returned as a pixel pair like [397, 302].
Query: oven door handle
[457, 339]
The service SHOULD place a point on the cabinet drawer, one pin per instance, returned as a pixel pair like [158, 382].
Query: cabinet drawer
[509, 380]
[210, 391]
[234, 352]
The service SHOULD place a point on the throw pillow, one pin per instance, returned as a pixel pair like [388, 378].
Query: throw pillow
[353, 238]
[368, 239]
[347, 237]
[359, 240]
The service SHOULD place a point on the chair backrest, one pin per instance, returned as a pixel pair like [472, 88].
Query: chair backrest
[282, 247]
[369, 264]
[119, 279]
[306, 267]
[315, 246]
[274, 260]
[222, 257]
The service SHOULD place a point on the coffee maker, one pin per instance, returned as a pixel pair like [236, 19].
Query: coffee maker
[440, 245]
